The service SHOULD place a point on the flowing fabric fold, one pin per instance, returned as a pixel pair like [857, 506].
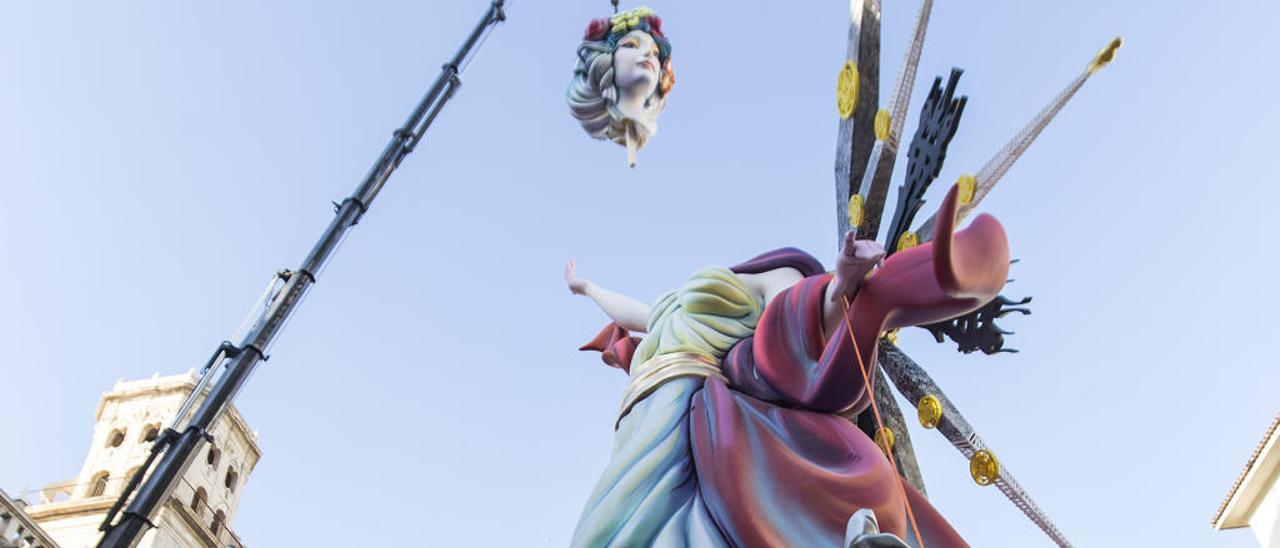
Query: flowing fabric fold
[778, 476]
[615, 345]
[784, 477]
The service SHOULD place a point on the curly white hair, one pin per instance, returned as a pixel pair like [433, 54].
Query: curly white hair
[593, 99]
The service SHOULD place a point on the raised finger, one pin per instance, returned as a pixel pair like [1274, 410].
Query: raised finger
[850, 240]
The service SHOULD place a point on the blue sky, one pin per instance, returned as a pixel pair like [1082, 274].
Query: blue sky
[160, 160]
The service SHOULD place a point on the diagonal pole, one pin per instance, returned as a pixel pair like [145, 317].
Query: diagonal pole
[998, 165]
[888, 126]
[857, 100]
[916, 385]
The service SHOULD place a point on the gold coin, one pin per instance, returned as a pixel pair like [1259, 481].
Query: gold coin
[929, 409]
[847, 89]
[1106, 55]
[883, 120]
[884, 439]
[968, 188]
[855, 210]
[908, 240]
[890, 336]
[984, 468]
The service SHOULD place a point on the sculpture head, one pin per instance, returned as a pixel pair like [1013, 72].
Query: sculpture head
[622, 79]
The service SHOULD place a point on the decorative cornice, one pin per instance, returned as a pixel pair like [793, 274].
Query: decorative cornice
[28, 522]
[71, 508]
[1265, 448]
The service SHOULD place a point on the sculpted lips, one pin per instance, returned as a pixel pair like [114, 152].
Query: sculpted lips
[648, 64]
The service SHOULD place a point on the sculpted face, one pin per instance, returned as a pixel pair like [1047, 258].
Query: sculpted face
[622, 79]
[636, 67]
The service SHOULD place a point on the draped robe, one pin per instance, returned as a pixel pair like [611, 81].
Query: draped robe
[762, 458]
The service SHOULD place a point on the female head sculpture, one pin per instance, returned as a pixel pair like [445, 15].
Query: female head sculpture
[622, 79]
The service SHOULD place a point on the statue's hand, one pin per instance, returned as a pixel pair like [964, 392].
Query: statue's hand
[857, 259]
[577, 286]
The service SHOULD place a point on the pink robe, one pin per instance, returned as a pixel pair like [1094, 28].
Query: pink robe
[773, 464]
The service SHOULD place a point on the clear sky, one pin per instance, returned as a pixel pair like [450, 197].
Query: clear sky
[161, 160]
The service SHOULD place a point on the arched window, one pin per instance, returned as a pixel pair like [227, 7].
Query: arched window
[231, 478]
[219, 519]
[98, 486]
[131, 473]
[150, 433]
[199, 501]
[116, 439]
[213, 456]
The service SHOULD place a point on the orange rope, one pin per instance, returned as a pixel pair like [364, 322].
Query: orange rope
[875, 409]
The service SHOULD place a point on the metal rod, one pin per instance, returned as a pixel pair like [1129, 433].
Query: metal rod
[856, 134]
[182, 448]
[914, 383]
[998, 165]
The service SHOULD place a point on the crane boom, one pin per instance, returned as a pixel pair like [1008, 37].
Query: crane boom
[173, 452]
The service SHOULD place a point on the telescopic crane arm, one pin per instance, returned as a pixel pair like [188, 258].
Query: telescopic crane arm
[174, 451]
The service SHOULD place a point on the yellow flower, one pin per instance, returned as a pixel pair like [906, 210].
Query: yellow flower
[628, 20]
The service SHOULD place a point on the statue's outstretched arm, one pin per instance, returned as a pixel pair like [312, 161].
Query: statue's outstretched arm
[625, 311]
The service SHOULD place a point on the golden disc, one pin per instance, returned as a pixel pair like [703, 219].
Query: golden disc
[882, 124]
[890, 336]
[855, 210]
[908, 240]
[1106, 55]
[884, 439]
[968, 188]
[847, 89]
[984, 467]
[929, 409]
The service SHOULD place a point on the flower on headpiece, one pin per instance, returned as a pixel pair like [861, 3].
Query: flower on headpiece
[655, 26]
[613, 28]
[597, 29]
[639, 18]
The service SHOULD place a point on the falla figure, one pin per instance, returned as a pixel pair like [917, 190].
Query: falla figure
[622, 79]
[734, 424]
[732, 429]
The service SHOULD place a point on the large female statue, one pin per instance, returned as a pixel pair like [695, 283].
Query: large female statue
[622, 79]
[731, 428]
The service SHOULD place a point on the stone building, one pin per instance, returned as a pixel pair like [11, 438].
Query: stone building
[16, 528]
[200, 510]
[1254, 500]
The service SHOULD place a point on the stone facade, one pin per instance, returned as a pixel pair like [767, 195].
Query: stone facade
[201, 508]
[17, 530]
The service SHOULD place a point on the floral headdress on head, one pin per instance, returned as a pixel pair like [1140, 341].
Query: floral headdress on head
[592, 95]
[614, 28]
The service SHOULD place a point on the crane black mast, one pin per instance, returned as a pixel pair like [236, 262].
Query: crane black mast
[174, 450]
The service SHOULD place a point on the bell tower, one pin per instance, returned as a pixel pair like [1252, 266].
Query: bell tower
[200, 510]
